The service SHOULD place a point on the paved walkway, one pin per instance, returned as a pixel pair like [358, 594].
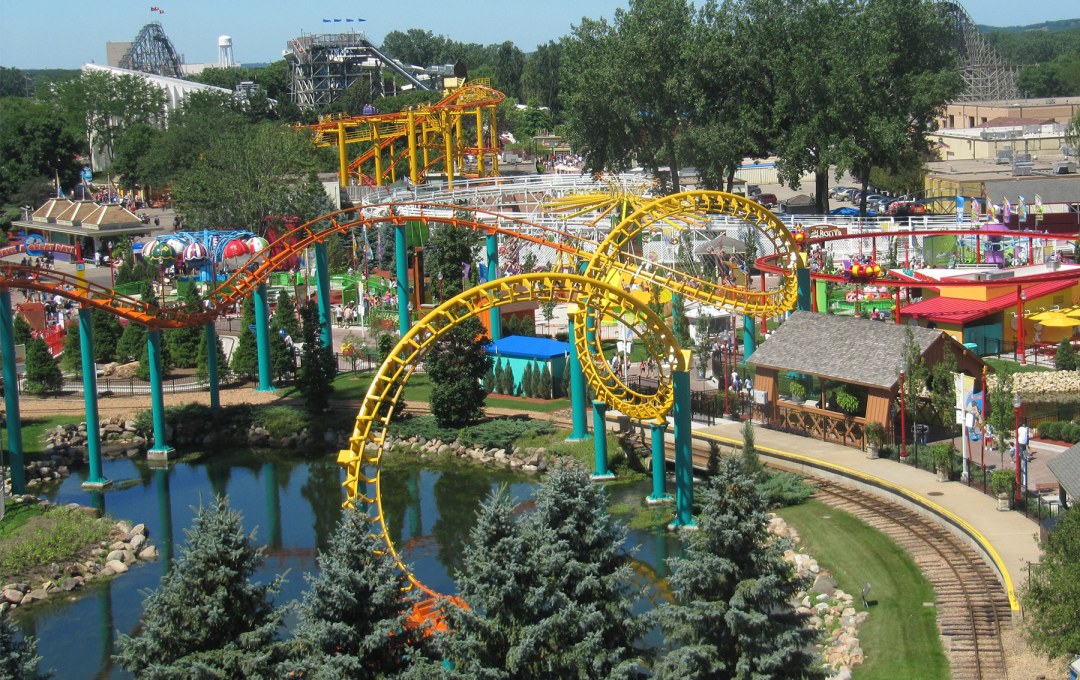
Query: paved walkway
[1009, 540]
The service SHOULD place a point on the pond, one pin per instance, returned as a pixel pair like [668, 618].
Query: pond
[293, 507]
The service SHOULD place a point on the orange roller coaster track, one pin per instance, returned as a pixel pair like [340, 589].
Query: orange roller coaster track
[590, 295]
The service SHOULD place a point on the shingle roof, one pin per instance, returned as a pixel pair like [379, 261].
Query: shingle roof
[1066, 468]
[851, 350]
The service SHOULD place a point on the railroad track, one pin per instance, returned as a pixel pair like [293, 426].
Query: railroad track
[972, 608]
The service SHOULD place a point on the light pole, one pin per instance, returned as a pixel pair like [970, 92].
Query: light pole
[903, 420]
[1017, 403]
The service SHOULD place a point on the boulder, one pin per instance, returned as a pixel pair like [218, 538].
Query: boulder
[116, 566]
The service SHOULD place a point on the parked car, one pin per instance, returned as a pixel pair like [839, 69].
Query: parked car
[767, 200]
[752, 190]
[905, 208]
[838, 192]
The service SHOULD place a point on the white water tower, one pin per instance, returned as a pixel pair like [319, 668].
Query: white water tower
[224, 52]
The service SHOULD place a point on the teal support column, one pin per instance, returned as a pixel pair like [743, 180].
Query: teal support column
[802, 277]
[600, 468]
[322, 280]
[580, 430]
[11, 395]
[493, 273]
[749, 336]
[412, 513]
[212, 367]
[262, 338]
[401, 260]
[161, 449]
[165, 532]
[96, 480]
[684, 463]
[659, 464]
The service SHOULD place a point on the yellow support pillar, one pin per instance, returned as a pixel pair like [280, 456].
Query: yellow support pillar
[479, 141]
[448, 143]
[424, 142]
[494, 142]
[378, 154]
[393, 164]
[414, 175]
[343, 155]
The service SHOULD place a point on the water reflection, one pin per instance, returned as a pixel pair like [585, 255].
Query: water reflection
[293, 508]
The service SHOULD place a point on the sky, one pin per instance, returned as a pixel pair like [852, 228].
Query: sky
[68, 34]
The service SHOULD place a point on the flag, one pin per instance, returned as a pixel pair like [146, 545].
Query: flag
[974, 210]
[959, 209]
[1038, 209]
[1021, 209]
[1006, 209]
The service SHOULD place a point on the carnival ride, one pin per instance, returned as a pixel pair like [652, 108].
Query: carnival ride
[591, 298]
[430, 137]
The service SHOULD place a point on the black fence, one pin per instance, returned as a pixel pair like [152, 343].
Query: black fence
[706, 406]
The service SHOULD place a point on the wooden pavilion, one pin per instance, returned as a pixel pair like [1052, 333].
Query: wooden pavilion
[862, 355]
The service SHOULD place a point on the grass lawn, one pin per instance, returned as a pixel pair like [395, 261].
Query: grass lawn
[1015, 367]
[16, 516]
[34, 429]
[354, 386]
[900, 637]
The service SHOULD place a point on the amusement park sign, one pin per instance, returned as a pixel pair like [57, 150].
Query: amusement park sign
[825, 230]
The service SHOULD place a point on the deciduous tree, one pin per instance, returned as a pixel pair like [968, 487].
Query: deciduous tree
[456, 364]
[1052, 595]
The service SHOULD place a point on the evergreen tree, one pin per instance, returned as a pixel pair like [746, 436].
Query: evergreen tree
[489, 380]
[107, 333]
[202, 372]
[207, 619]
[751, 464]
[132, 342]
[142, 372]
[1065, 358]
[18, 658]
[315, 379]
[71, 359]
[545, 383]
[282, 363]
[352, 620]
[732, 616]
[498, 386]
[527, 380]
[456, 364]
[679, 323]
[285, 316]
[565, 383]
[507, 384]
[245, 358]
[183, 343]
[43, 376]
[22, 331]
[547, 593]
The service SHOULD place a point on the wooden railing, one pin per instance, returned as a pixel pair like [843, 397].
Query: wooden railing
[817, 423]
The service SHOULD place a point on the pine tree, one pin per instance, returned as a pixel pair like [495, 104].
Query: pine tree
[282, 363]
[245, 358]
[18, 658]
[132, 342]
[456, 364]
[285, 316]
[751, 463]
[547, 593]
[71, 359]
[498, 385]
[508, 386]
[527, 380]
[202, 372]
[733, 615]
[183, 343]
[142, 372]
[315, 379]
[107, 332]
[1065, 358]
[22, 331]
[565, 383]
[489, 380]
[207, 619]
[545, 383]
[351, 622]
[43, 376]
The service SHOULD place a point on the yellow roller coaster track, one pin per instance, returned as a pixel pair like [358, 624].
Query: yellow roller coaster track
[591, 299]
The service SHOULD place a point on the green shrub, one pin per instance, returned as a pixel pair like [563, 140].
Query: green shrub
[1070, 432]
[502, 433]
[942, 454]
[423, 426]
[1051, 430]
[785, 488]
[847, 402]
[281, 421]
[798, 391]
[1001, 481]
[57, 536]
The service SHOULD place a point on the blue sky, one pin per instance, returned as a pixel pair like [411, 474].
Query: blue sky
[66, 34]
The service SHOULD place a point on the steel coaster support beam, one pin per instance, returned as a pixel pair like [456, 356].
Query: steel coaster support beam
[161, 449]
[164, 500]
[658, 495]
[414, 171]
[684, 461]
[90, 396]
[480, 141]
[262, 338]
[401, 260]
[273, 503]
[343, 155]
[580, 431]
[322, 280]
[11, 395]
[802, 276]
[492, 243]
[494, 142]
[211, 366]
[600, 459]
[749, 336]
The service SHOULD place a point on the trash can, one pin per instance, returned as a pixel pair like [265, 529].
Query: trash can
[973, 347]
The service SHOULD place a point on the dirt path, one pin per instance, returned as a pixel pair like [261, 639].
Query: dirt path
[131, 406]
